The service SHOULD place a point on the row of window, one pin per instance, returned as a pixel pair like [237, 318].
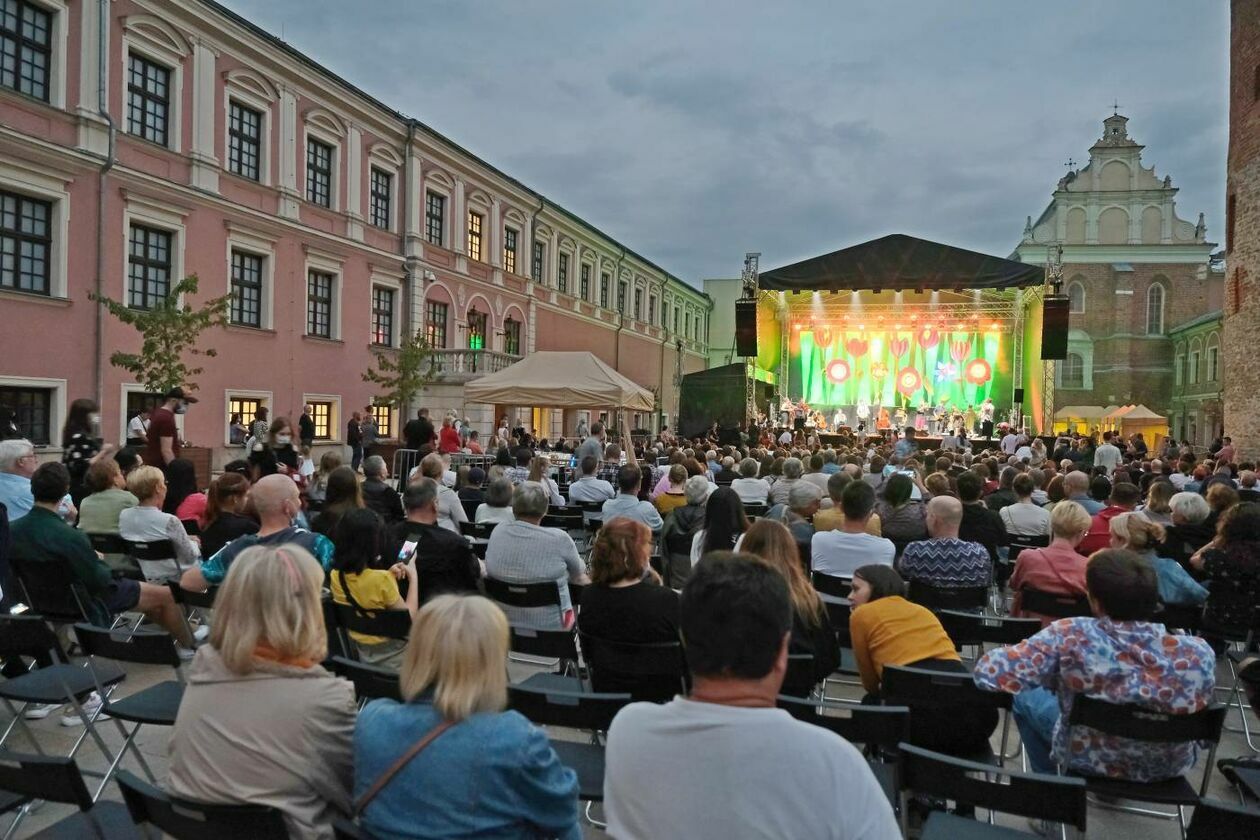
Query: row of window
[1154, 305]
[1186, 369]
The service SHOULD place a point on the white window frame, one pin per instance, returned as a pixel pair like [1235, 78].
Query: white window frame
[234, 90]
[1179, 362]
[327, 263]
[1212, 358]
[382, 158]
[324, 135]
[264, 400]
[252, 242]
[335, 433]
[395, 284]
[1163, 299]
[139, 41]
[58, 40]
[152, 213]
[17, 176]
[1194, 367]
[57, 405]
[1078, 284]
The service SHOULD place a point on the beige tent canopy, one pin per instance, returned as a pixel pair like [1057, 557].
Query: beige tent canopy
[553, 379]
[1080, 412]
[1140, 414]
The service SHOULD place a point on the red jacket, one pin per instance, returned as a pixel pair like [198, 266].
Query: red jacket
[1099, 536]
[448, 440]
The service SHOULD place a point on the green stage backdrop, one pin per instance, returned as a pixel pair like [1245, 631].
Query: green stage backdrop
[888, 367]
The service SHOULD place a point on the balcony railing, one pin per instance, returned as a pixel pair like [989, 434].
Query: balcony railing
[465, 365]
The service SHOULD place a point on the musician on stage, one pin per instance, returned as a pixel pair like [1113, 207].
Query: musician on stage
[921, 416]
[900, 418]
[969, 420]
[884, 422]
[839, 419]
[986, 417]
[863, 413]
[939, 415]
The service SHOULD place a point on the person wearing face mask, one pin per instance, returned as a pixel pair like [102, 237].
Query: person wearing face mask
[275, 453]
[163, 444]
[81, 445]
[277, 503]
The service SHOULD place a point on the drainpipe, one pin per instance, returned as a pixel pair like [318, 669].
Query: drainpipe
[404, 411]
[102, 108]
[621, 323]
[533, 237]
[660, 410]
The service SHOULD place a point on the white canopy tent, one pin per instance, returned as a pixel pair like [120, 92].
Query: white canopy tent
[554, 379]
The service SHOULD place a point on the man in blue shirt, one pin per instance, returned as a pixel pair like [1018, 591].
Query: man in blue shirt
[18, 463]
[627, 504]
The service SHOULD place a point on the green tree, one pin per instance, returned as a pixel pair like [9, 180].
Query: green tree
[400, 377]
[169, 332]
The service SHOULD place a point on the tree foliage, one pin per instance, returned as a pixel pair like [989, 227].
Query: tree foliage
[170, 333]
[401, 376]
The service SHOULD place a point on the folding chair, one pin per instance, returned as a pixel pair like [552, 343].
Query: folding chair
[1036, 796]
[948, 597]
[833, 585]
[59, 683]
[1143, 724]
[1216, 820]
[560, 645]
[538, 594]
[189, 600]
[153, 557]
[657, 671]
[370, 681]
[156, 705]
[922, 688]
[575, 710]
[880, 729]
[973, 629]
[1054, 604]
[799, 679]
[188, 820]
[470, 508]
[50, 588]
[1019, 542]
[838, 611]
[57, 779]
[477, 530]
[1245, 640]
[752, 509]
[117, 546]
[392, 624]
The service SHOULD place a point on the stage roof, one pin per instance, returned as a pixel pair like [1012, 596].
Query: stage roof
[900, 262]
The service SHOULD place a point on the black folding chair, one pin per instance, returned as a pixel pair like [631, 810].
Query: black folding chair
[560, 645]
[1216, 820]
[1139, 723]
[57, 779]
[880, 729]
[926, 689]
[190, 600]
[1054, 604]
[799, 679]
[51, 589]
[156, 705]
[752, 509]
[1019, 542]
[186, 820]
[392, 624]
[153, 552]
[540, 594]
[974, 629]
[575, 710]
[948, 597]
[477, 530]
[657, 671]
[370, 681]
[470, 508]
[1036, 796]
[833, 585]
[838, 611]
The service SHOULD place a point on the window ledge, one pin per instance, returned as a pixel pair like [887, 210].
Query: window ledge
[381, 348]
[319, 339]
[247, 181]
[34, 297]
[27, 99]
[246, 328]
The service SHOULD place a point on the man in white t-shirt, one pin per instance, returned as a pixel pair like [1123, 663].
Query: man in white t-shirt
[841, 551]
[786, 438]
[1108, 455]
[138, 428]
[736, 765]
[1010, 442]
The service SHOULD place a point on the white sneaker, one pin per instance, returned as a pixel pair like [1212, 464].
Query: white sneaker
[185, 654]
[201, 633]
[90, 707]
[40, 712]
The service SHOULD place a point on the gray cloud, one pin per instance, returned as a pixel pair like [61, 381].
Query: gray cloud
[696, 131]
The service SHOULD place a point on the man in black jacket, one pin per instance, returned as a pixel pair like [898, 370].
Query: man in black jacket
[979, 524]
[377, 492]
[444, 560]
[306, 426]
[419, 434]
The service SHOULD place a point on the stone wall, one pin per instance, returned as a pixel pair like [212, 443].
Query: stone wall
[1242, 297]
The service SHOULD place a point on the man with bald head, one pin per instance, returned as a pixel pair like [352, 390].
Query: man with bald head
[945, 560]
[277, 502]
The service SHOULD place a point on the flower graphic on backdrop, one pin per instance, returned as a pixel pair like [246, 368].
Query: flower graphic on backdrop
[959, 350]
[909, 381]
[856, 347]
[838, 371]
[945, 371]
[928, 338]
[978, 371]
[879, 370]
[898, 347]
[822, 336]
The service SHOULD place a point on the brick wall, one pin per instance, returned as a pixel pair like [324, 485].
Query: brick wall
[1242, 297]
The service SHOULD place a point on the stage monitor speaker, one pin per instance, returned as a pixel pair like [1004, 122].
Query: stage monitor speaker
[1019, 396]
[746, 327]
[1054, 328]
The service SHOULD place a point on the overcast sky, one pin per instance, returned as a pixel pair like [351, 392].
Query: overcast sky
[695, 131]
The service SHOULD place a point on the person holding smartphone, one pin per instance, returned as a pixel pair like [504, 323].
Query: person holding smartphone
[443, 559]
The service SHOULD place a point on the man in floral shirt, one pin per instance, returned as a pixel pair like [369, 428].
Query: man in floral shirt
[1120, 657]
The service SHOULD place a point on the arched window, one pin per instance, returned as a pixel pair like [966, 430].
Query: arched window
[1073, 371]
[1155, 310]
[1076, 297]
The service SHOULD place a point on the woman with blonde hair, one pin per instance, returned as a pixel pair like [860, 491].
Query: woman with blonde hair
[318, 489]
[812, 632]
[1157, 508]
[450, 509]
[1141, 536]
[539, 466]
[261, 722]
[147, 522]
[448, 761]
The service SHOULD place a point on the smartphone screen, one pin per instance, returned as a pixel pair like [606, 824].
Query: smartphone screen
[408, 549]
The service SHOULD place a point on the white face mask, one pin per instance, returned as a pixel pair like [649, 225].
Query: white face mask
[181, 408]
[94, 418]
[284, 439]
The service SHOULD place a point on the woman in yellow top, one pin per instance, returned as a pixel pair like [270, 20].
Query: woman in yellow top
[673, 497]
[886, 629]
[357, 580]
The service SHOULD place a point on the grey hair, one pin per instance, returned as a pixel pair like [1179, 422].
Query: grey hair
[803, 495]
[499, 493]
[374, 465]
[420, 493]
[748, 467]
[696, 489]
[529, 501]
[1190, 505]
[12, 450]
[792, 468]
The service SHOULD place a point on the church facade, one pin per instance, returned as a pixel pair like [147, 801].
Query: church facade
[1132, 270]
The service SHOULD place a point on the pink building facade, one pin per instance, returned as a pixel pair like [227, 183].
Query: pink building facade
[337, 224]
